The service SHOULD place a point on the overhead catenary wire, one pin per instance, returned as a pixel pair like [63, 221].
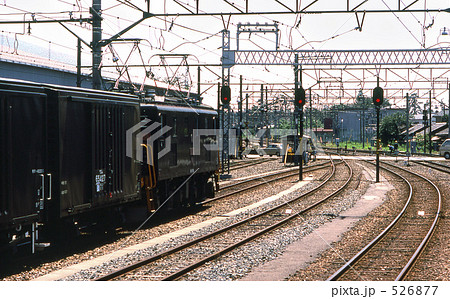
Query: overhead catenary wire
[161, 30]
[406, 27]
[162, 38]
[167, 38]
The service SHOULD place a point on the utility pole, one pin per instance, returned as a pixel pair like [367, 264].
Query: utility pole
[96, 47]
[429, 135]
[198, 83]
[407, 128]
[378, 146]
[220, 113]
[363, 121]
[300, 173]
[296, 112]
[425, 124]
[448, 117]
[246, 111]
[261, 115]
[266, 117]
[240, 117]
[310, 112]
[78, 62]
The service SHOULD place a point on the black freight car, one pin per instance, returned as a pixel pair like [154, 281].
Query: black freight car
[184, 157]
[70, 157]
[62, 158]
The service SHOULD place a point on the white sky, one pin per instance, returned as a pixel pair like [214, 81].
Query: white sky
[320, 32]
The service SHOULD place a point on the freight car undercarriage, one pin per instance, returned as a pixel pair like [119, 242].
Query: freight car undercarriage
[181, 192]
[174, 194]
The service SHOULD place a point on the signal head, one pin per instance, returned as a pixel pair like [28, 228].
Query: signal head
[225, 95]
[300, 97]
[378, 96]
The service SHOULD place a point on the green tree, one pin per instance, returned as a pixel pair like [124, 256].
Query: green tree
[391, 127]
[420, 140]
[285, 123]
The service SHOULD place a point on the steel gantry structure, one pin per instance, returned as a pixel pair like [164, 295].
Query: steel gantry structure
[340, 74]
[333, 70]
[295, 6]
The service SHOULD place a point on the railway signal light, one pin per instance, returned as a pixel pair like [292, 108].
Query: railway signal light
[225, 95]
[300, 97]
[378, 96]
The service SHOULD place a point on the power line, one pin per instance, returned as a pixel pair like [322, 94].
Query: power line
[406, 27]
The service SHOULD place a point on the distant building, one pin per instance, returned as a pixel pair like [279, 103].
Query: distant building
[439, 130]
[358, 124]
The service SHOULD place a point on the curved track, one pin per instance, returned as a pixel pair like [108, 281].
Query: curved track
[176, 262]
[434, 165]
[392, 254]
[262, 180]
[247, 163]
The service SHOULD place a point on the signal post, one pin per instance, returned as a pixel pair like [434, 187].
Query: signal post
[299, 102]
[300, 99]
[225, 98]
[378, 101]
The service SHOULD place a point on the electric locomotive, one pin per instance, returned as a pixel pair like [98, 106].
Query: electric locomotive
[180, 165]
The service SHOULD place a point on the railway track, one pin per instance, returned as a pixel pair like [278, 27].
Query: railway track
[262, 180]
[434, 165]
[48, 255]
[267, 175]
[248, 163]
[176, 262]
[392, 254]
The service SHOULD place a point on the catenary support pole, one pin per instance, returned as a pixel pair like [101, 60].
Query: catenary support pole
[198, 85]
[78, 62]
[377, 180]
[96, 47]
[240, 117]
[408, 144]
[429, 132]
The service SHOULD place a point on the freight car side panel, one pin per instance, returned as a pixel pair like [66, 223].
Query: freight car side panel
[95, 172]
[23, 179]
[74, 155]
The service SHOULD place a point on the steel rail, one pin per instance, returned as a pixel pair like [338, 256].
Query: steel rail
[430, 232]
[375, 241]
[143, 262]
[259, 184]
[266, 230]
[433, 165]
[239, 166]
[266, 176]
[247, 161]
